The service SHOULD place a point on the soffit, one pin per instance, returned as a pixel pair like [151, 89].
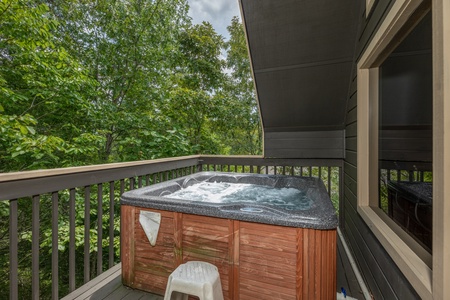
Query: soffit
[302, 53]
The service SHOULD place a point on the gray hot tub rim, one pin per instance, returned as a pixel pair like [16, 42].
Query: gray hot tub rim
[321, 215]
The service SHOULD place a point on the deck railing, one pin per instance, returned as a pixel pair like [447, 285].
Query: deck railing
[79, 209]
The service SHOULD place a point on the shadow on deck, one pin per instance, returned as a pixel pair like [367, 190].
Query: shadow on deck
[109, 284]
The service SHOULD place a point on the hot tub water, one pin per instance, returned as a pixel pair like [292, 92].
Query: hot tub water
[225, 192]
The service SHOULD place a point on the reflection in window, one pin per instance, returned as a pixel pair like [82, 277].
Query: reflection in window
[405, 134]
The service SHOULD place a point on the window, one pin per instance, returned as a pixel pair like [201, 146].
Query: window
[405, 136]
[369, 5]
[395, 153]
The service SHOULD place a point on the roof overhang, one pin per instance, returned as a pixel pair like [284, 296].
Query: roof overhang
[302, 54]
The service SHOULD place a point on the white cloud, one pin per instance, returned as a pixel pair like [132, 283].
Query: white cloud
[216, 12]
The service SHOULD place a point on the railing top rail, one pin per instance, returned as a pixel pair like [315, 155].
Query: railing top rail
[36, 182]
[24, 184]
[13, 176]
[220, 159]
[257, 160]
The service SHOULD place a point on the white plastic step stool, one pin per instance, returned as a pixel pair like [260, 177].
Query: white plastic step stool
[196, 278]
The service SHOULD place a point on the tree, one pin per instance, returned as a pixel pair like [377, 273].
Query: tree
[127, 46]
[198, 77]
[41, 87]
[241, 114]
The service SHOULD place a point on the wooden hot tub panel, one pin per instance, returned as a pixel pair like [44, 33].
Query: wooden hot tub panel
[255, 261]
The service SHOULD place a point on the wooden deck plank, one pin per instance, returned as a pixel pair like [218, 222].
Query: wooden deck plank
[96, 283]
[108, 289]
[108, 286]
[135, 295]
[124, 292]
[119, 293]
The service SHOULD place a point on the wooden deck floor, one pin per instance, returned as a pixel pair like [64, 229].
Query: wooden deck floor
[109, 285]
[345, 276]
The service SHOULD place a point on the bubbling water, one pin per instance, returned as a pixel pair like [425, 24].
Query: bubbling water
[224, 192]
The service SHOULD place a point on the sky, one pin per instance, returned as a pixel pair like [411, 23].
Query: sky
[216, 12]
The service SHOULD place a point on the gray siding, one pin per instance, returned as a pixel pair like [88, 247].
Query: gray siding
[305, 144]
[384, 279]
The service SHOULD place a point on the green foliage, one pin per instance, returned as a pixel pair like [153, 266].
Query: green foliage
[201, 66]
[24, 147]
[41, 88]
[241, 114]
[192, 103]
[153, 144]
[128, 48]
[89, 80]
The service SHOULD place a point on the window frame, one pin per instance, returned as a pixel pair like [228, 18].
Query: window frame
[412, 262]
[369, 6]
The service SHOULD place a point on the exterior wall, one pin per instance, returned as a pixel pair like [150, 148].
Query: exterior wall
[384, 279]
[304, 144]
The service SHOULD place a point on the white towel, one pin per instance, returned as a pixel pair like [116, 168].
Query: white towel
[150, 222]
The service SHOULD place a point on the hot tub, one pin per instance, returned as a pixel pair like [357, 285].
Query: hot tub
[264, 250]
